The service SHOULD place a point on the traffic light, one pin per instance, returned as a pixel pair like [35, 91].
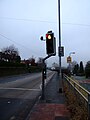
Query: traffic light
[50, 43]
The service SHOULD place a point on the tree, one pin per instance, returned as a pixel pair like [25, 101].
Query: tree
[32, 61]
[81, 70]
[10, 54]
[18, 59]
[87, 69]
[73, 65]
[40, 61]
[76, 69]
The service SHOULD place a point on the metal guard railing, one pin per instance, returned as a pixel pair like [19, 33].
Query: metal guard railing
[85, 94]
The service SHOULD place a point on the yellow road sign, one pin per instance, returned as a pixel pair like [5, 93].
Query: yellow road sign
[69, 59]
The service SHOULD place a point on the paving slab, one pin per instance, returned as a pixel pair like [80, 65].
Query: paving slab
[53, 107]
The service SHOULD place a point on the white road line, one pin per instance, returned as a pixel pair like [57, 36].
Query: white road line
[19, 89]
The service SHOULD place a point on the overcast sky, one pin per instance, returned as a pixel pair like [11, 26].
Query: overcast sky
[22, 22]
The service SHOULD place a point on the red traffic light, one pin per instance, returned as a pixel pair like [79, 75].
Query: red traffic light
[48, 36]
[50, 43]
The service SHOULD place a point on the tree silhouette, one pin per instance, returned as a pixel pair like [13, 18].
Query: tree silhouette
[87, 69]
[32, 61]
[10, 54]
[76, 69]
[81, 70]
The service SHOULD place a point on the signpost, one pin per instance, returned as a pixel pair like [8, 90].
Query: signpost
[61, 51]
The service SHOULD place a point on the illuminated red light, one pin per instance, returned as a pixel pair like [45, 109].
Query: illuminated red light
[46, 35]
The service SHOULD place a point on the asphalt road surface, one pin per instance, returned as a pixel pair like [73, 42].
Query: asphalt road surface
[85, 82]
[18, 94]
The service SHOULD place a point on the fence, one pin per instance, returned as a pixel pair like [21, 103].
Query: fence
[80, 92]
[6, 71]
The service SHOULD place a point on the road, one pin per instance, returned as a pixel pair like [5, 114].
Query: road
[18, 94]
[85, 82]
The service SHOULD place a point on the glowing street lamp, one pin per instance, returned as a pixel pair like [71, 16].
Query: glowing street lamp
[71, 53]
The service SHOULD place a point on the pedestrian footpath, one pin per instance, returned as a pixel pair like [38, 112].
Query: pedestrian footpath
[53, 107]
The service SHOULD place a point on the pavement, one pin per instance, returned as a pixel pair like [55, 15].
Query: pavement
[53, 107]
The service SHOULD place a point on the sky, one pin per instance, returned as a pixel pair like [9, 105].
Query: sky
[23, 22]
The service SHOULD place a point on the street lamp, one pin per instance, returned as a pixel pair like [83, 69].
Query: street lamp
[71, 53]
[59, 31]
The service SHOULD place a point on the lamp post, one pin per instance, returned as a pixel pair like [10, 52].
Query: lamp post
[59, 34]
[71, 53]
[59, 30]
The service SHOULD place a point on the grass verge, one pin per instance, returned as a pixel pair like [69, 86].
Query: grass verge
[75, 105]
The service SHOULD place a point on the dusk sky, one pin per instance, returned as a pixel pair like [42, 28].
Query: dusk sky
[22, 22]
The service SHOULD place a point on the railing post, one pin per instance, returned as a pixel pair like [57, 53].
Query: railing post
[74, 89]
[88, 106]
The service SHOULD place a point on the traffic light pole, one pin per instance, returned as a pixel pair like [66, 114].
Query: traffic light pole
[43, 82]
[43, 77]
[51, 51]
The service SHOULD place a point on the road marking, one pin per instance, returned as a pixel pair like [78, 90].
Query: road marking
[26, 89]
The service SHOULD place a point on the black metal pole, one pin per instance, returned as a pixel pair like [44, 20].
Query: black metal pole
[43, 82]
[43, 77]
[60, 82]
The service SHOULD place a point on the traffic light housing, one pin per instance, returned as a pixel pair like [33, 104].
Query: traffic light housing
[50, 43]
